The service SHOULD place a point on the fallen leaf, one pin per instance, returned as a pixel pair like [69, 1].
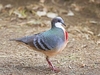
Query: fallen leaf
[84, 46]
[35, 22]
[90, 32]
[42, 1]
[51, 15]
[69, 67]
[8, 6]
[41, 13]
[91, 1]
[86, 36]
[98, 35]
[21, 14]
[11, 12]
[83, 65]
[70, 13]
[98, 42]
[1, 7]
[93, 22]
[76, 7]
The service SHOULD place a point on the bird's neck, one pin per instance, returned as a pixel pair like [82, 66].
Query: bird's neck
[59, 25]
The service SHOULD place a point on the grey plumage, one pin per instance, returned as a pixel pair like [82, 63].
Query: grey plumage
[50, 42]
[45, 40]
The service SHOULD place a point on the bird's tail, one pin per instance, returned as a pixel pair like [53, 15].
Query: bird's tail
[18, 40]
[24, 40]
[12, 39]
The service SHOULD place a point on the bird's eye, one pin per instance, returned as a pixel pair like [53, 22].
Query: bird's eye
[59, 20]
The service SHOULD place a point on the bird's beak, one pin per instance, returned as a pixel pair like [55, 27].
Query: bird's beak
[63, 23]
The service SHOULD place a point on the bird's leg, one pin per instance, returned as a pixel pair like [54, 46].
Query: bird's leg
[51, 65]
[49, 62]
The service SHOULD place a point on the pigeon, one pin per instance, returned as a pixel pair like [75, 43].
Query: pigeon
[50, 42]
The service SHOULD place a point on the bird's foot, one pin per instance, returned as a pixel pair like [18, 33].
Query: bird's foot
[55, 69]
[51, 65]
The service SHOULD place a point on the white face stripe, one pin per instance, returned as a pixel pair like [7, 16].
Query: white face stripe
[59, 25]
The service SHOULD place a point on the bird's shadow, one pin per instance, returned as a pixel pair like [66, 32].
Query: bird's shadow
[36, 69]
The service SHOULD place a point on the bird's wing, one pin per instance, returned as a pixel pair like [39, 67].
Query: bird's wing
[47, 42]
[41, 42]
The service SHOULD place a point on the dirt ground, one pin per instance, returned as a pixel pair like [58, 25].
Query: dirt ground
[82, 53]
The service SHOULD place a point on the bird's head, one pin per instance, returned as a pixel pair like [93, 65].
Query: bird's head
[57, 22]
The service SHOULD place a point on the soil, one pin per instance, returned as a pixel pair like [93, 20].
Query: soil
[82, 53]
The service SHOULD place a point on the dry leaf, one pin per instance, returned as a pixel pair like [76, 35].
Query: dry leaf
[98, 34]
[8, 6]
[98, 42]
[93, 22]
[41, 13]
[84, 46]
[76, 7]
[35, 22]
[1, 7]
[86, 36]
[11, 11]
[42, 1]
[21, 14]
[51, 15]
[70, 13]
[90, 32]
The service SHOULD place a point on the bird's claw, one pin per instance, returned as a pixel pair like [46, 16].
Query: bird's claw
[56, 70]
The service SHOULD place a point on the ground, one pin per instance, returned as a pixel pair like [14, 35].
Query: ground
[82, 53]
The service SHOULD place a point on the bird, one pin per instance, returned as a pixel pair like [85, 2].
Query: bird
[50, 42]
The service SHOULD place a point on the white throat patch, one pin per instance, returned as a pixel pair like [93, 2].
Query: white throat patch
[59, 25]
